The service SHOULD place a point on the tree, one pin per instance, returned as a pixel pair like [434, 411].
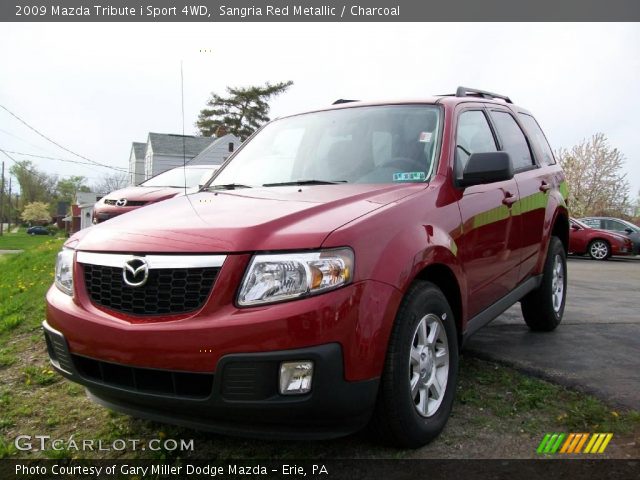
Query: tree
[242, 112]
[597, 184]
[35, 186]
[636, 207]
[110, 182]
[68, 188]
[36, 212]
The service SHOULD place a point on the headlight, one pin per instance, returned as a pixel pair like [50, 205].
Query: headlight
[64, 271]
[274, 278]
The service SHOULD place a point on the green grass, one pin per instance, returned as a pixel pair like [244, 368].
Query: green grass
[21, 241]
[507, 394]
[24, 281]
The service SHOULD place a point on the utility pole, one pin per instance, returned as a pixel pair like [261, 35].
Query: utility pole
[2, 202]
[9, 209]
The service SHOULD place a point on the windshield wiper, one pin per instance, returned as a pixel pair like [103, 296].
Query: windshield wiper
[227, 186]
[304, 182]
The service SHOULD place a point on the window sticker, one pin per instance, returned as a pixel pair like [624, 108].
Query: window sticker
[408, 176]
[425, 137]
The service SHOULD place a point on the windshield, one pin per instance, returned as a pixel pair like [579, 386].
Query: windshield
[382, 144]
[176, 177]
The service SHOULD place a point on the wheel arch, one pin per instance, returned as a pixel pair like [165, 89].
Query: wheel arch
[445, 279]
[560, 229]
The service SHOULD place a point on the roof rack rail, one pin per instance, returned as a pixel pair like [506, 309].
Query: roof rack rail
[343, 100]
[468, 92]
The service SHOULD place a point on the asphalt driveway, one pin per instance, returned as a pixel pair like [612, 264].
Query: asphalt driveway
[596, 349]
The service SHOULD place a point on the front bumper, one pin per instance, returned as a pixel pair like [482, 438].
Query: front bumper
[240, 397]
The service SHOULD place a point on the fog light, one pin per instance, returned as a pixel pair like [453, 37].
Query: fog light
[295, 377]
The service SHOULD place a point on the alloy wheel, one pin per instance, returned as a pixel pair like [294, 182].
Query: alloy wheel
[599, 250]
[557, 283]
[428, 365]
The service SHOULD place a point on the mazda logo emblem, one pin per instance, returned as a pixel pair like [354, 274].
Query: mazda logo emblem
[135, 272]
[122, 202]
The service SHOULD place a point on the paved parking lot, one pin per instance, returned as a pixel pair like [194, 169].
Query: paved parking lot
[596, 349]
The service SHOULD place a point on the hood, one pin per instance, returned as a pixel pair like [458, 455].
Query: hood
[609, 233]
[244, 220]
[146, 194]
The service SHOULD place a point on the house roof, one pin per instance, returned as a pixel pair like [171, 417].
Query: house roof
[208, 155]
[171, 144]
[139, 150]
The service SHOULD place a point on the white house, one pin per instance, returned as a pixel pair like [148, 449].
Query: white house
[82, 210]
[165, 151]
[136, 163]
[217, 152]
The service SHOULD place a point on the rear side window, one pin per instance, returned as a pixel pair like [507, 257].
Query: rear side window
[473, 136]
[537, 136]
[613, 225]
[513, 140]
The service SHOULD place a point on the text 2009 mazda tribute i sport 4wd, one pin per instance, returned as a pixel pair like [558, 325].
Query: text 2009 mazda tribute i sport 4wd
[325, 278]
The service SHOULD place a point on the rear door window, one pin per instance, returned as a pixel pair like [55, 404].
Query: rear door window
[537, 136]
[513, 140]
[614, 225]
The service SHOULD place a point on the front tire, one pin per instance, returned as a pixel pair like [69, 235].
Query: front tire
[599, 250]
[421, 369]
[543, 308]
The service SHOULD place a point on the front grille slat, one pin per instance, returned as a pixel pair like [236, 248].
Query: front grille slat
[144, 380]
[170, 291]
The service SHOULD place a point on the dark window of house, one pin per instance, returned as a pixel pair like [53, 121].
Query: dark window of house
[513, 140]
[230, 147]
[537, 136]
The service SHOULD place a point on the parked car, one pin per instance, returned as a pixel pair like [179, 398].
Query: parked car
[326, 276]
[598, 244]
[617, 225]
[38, 230]
[164, 185]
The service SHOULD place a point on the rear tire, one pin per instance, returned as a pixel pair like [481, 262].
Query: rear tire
[599, 249]
[542, 309]
[421, 370]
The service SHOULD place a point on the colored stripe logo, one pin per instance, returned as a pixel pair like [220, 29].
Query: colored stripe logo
[574, 443]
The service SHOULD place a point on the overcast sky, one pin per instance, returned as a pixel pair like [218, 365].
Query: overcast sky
[95, 88]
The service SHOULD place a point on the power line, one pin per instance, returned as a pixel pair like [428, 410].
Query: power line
[53, 141]
[63, 160]
[43, 177]
[23, 140]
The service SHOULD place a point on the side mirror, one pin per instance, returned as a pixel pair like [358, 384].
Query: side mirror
[487, 167]
[575, 227]
[628, 230]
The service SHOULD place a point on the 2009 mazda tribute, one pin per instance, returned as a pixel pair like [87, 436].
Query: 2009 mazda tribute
[325, 278]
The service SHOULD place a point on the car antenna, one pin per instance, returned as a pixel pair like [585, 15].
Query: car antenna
[184, 148]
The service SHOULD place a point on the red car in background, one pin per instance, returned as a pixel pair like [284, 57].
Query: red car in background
[164, 185]
[599, 244]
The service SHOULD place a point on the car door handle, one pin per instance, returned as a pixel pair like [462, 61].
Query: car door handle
[509, 199]
[544, 186]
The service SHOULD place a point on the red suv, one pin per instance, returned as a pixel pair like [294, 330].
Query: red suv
[327, 276]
